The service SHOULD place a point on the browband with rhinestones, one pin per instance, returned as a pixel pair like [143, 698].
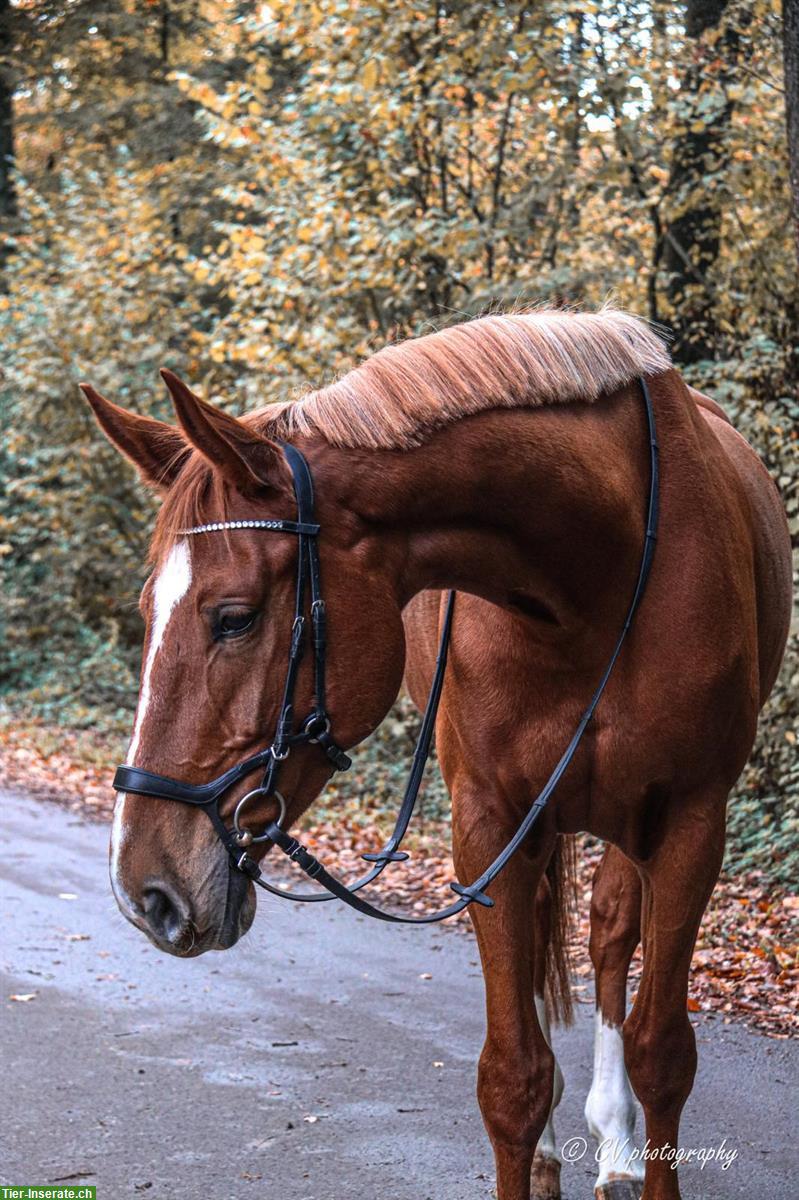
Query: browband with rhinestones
[276, 526]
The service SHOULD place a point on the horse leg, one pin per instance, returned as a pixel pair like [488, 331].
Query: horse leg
[659, 1042]
[545, 1174]
[610, 1108]
[517, 1067]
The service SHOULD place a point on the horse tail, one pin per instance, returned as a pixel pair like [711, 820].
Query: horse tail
[561, 875]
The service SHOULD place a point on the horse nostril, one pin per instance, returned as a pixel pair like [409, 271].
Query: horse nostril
[164, 913]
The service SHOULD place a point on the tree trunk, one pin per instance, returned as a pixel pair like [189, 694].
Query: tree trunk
[8, 195]
[693, 235]
[790, 16]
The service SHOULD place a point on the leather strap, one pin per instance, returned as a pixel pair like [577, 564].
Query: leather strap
[147, 783]
[391, 852]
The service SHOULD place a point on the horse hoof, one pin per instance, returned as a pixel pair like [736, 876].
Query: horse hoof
[545, 1178]
[620, 1189]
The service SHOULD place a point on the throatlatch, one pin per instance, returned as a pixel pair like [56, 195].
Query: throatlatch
[315, 729]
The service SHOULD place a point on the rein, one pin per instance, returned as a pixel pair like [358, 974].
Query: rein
[315, 729]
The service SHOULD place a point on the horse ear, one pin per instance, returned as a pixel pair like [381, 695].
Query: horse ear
[242, 455]
[156, 449]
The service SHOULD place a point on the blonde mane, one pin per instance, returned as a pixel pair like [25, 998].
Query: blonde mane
[399, 396]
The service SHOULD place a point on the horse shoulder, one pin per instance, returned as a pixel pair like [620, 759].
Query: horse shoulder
[421, 618]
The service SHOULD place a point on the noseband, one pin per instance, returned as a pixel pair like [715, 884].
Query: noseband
[315, 729]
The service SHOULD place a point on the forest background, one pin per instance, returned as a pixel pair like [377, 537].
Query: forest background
[257, 195]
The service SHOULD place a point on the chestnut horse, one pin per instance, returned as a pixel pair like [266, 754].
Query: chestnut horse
[506, 458]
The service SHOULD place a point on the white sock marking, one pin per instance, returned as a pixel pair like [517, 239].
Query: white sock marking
[171, 584]
[610, 1109]
[546, 1143]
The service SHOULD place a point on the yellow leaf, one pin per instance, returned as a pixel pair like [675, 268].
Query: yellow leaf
[370, 74]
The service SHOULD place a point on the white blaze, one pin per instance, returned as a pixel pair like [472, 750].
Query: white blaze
[546, 1143]
[611, 1108]
[171, 584]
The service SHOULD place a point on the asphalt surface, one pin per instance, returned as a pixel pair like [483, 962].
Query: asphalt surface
[323, 1058]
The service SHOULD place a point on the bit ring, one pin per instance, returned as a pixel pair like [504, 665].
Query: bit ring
[243, 836]
[324, 728]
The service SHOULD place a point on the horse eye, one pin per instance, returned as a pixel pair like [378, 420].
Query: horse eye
[233, 623]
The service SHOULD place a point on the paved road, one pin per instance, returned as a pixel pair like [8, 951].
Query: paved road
[314, 1061]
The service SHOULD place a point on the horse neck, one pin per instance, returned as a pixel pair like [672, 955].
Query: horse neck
[540, 509]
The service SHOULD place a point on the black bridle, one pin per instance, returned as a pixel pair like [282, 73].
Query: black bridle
[315, 729]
